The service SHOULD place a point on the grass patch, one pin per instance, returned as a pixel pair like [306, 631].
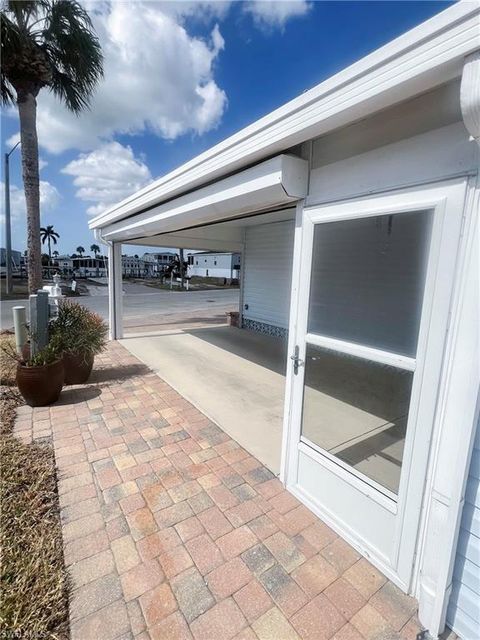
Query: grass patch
[8, 366]
[33, 580]
[19, 286]
[196, 284]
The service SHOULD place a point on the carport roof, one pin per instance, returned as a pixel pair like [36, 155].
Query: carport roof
[424, 57]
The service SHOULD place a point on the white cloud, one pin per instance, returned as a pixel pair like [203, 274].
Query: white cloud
[202, 11]
[158, 78]
[49, 199]
[13, 140]
[274, 14]
[107, 175]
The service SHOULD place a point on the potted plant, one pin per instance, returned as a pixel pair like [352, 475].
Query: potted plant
[40, 377]
[82, 335]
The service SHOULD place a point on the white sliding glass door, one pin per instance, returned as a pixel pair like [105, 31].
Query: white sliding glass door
[371, 319]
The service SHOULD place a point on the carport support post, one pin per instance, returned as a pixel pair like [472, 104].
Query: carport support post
[115, 302]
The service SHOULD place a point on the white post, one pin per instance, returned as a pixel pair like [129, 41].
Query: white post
[42, 319]
[20, 325]
[115, 302]
[32, 307]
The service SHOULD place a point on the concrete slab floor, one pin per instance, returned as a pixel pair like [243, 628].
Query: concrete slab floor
[235, 377]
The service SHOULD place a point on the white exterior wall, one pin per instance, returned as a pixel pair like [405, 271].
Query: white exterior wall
[423, 156]
[267, 274]
[463, 614]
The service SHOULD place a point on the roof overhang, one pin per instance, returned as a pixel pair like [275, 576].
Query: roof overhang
[275, 183]
[428, 55]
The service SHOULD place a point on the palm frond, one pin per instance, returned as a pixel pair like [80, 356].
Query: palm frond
[74, 52]
[48, 232]
[10, 42]
[8, 94]
[50, 43]
[22, 10]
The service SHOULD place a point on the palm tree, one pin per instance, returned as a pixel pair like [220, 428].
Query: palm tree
[44, 43]
[47, 234]
[55, 254]
[96, 249]
[80, 250]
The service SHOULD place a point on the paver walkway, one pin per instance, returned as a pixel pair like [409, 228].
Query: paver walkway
[172, 531]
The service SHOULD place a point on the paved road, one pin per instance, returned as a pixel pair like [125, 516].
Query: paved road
[140, 302]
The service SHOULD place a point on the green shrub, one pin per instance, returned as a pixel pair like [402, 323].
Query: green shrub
[79, 330]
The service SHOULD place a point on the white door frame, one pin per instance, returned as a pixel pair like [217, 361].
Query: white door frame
[446, 199]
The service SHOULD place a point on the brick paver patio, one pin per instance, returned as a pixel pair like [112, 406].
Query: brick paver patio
[172, 531]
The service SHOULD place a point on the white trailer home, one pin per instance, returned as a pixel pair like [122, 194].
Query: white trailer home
[211, 264]
[355, 208]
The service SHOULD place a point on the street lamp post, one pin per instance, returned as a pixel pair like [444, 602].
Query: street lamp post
[8, 231]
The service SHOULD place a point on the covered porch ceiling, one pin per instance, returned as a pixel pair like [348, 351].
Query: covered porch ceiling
[221, 236]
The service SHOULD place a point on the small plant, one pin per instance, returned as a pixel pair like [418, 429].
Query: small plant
[49, 354]
[79, 330]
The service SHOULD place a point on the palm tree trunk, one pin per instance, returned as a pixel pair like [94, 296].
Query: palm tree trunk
[49, 256]
[27, 109]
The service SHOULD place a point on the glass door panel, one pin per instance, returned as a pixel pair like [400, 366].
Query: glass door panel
[366, 293]
[367, 281]
[357, 410]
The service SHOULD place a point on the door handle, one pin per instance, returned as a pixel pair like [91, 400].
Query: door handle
[296, 360]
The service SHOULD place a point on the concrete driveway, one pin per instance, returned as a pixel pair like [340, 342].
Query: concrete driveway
[145, 307]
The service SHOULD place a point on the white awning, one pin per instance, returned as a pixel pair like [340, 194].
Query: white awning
[275, 183]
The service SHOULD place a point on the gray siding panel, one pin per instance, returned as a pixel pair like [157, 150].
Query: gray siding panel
[268, 273]
[463, 614]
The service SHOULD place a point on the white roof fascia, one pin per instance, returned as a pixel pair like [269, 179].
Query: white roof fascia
[422, 58]
[273, 183]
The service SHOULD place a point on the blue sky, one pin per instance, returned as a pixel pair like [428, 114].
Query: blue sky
[180, 77]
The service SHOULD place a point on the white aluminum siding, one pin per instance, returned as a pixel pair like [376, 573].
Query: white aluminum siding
[463, 614]
[268, 273]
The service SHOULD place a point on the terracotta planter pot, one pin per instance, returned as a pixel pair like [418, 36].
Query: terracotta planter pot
[78, 367]
[40, 386]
